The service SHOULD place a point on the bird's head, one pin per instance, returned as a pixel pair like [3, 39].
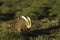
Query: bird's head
[27, 21]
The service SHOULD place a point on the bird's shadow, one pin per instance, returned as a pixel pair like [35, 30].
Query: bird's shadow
[36, 32]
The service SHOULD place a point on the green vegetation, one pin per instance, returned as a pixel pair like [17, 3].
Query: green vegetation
[45, 16]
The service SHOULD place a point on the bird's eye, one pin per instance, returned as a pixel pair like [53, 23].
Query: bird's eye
[21, 29]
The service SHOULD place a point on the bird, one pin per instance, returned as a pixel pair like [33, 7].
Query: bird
[20, 24]
[27, 21]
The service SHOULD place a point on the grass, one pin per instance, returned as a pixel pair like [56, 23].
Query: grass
[45, 16]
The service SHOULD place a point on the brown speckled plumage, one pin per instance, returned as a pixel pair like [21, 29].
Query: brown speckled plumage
[18, 25]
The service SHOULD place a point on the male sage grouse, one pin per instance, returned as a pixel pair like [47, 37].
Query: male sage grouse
[20, 24]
